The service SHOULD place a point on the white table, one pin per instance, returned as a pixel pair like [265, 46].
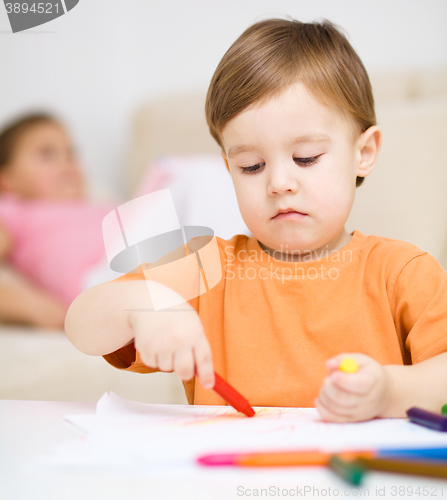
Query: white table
[28, 428]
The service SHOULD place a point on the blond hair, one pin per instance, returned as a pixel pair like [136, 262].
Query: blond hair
[272, 54]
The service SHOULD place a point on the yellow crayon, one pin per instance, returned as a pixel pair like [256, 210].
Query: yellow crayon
[349, 365]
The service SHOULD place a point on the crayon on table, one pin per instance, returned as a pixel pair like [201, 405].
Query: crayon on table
[427, 419]
[283, 459]
[420, 468]
[317, 457]
[349, 470]
[444, 410]
[268, 459]
[231, 396]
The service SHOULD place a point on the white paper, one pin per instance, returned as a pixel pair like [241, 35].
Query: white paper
[130, 435]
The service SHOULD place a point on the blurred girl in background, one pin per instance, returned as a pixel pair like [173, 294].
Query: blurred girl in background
[50, 234]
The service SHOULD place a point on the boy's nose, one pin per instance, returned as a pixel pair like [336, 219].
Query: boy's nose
[283, 179]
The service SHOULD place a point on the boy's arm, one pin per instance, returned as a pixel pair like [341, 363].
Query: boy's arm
[109, 316]
[423, 384]
[98, 320]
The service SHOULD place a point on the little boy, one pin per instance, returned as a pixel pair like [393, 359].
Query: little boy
[291, 107]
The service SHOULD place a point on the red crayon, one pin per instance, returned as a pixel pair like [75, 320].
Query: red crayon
[230, 395]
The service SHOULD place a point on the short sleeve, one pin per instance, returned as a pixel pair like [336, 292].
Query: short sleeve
[127, 358]
[420, 308]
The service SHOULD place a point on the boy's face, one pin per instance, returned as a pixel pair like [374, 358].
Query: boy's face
[43, 165]
[302, 157]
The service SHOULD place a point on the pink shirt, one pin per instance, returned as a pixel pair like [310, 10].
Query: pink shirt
[54, 241]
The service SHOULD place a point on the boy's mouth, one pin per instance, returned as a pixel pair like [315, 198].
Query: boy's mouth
[288, 213]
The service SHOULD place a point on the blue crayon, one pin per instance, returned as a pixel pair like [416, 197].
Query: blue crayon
[436, 453]
[428, 419]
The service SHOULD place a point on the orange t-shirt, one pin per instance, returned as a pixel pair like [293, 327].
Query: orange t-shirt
[272, 324]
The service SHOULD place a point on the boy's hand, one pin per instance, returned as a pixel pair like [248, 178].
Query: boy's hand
[352, 397]
[174, 341]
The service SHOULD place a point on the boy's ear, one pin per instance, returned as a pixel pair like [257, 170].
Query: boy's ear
[369, 146]
[224, 156]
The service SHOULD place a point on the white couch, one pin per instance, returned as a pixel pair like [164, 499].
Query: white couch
[404, 198]
[43, 365]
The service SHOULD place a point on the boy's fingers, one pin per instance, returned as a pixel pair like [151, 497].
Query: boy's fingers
[204, 363]
[333, 363]
[354, 383]
[327, 414]
[184, 364]
[165, 362]
[337, 397]
[149, 359]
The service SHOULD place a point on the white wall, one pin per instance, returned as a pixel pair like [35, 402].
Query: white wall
[94, 65]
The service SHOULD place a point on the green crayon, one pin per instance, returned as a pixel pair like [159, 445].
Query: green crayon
[349, 471]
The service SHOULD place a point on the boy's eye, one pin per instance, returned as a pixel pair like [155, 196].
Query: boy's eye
[304, 162]
[251, 170]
